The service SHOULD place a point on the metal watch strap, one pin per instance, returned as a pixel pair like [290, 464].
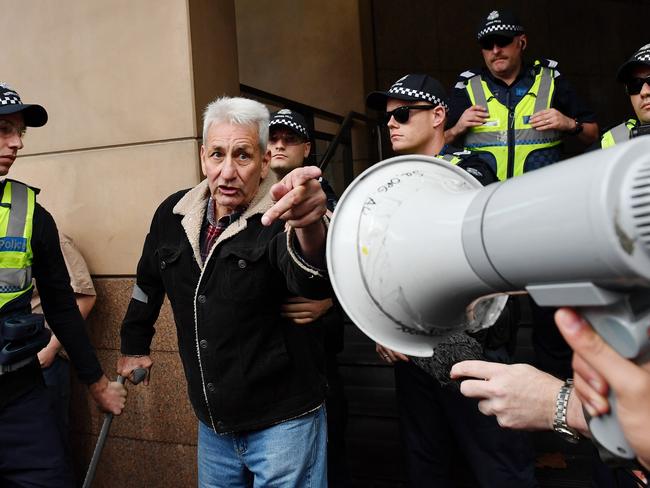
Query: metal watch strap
[559, 419]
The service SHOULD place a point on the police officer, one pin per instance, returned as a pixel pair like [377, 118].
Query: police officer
[433, 415]
[31, 446]
[412, 133]
[290, 145]
[635, 74]
[515, 112]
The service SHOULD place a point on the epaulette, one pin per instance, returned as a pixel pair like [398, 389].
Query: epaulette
[33, 188]
[463, 78]
[552, 64]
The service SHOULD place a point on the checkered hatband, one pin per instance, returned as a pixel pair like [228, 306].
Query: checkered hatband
[292, 125]
[398, 90]
[499, 28]
[643, 54]
[8, 97]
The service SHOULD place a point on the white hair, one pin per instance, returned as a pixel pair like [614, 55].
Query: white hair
[238, 111]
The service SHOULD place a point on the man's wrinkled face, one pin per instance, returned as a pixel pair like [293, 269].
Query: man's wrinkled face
[641, 101]
[234, 164]
[288, 150]
[503, 61]
[12, 129]
[415, 135]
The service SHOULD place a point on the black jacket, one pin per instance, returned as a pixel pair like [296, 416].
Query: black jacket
[246, 366]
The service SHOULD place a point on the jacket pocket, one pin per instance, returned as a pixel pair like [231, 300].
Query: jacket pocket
[168, 264]
[247, 274]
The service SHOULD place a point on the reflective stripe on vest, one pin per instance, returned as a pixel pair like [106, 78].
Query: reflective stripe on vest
[16, 221]
[450, 158]
[494, 135]
[618, 134]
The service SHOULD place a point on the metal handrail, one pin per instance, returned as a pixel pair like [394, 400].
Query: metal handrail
[343, 136]
[344, 131]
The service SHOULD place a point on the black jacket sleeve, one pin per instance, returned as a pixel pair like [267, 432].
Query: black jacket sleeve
[138, 326]
[59, 305]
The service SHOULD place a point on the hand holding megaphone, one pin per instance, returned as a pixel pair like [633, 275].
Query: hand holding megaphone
[417, 250]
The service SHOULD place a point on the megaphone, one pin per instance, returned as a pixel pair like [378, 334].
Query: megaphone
[417, 249]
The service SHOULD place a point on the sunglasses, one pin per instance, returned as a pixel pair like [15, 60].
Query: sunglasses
[635, 85]
[487, 43]
[401, 114]
[289, 138]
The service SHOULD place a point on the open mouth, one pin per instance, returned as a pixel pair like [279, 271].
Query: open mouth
[228, 190]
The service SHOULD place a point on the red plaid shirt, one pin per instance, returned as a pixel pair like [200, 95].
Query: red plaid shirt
[213, 228]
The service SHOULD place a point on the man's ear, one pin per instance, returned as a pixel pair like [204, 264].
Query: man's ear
[523, 42]
[266, 160]
[203, 168]
[438, 115]
[307, 150]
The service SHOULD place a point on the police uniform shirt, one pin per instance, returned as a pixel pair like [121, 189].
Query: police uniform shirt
[564, 99]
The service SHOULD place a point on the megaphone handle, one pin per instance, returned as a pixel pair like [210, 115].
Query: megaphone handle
[606, 429]
[607, 432]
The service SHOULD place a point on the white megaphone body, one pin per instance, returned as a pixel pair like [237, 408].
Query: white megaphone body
[417, 249]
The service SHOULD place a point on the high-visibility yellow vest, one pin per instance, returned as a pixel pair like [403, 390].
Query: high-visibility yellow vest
[506, 134]
[618, 134]
[16, 223]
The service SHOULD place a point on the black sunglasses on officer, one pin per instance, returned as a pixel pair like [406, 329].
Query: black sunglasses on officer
[487, 43]
[289, 137]
[402, 114]
[633, 86]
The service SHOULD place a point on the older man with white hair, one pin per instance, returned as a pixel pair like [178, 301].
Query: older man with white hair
[222, 255]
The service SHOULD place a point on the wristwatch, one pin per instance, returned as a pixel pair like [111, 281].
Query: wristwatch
[577, 129]
[559, 419]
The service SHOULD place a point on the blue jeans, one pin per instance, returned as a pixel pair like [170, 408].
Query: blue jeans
[292, 454]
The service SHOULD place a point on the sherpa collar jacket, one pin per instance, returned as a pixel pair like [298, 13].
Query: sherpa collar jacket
[246, 367]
